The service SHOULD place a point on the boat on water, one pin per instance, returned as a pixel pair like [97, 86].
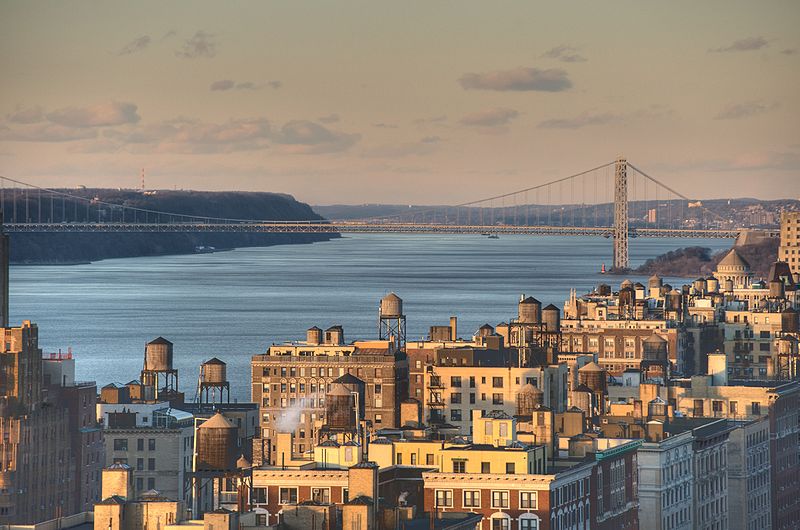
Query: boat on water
[603, 269]
[202, 249]
[494, 236]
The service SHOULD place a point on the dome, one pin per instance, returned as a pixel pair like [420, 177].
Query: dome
[733, 261]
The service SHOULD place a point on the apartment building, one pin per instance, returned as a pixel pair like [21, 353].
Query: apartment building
[666, 480]
[290, 381]
[789, 250]
[749, 484]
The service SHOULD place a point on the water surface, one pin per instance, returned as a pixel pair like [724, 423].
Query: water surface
[234, 304]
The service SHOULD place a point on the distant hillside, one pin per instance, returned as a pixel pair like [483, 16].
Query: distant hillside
[82, 247]
[698, 261]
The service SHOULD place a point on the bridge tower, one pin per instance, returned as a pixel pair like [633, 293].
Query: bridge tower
[621, 213]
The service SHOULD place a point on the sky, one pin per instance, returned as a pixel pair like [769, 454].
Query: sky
[423, 102]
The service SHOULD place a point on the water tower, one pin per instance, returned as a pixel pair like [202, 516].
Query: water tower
[213, 386]
[158, 372]
[391, 320]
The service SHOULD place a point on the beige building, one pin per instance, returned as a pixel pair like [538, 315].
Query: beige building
[749, 475]
[290, 383]
[789, 250]
[454, 391]
[666, 479]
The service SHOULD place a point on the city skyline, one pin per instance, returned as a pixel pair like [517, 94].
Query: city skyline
[361, 103]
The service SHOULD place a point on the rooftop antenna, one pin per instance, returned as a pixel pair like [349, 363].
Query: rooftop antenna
[142, 179]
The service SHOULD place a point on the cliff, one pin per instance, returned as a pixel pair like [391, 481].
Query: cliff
[83, 247]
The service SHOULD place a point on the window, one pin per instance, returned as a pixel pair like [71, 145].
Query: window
[756, 408]
[472, 381]
[455, 414]
[528, 499]
[499, 499]
[259, 496]
[413, 459]
[733, 407]
[140, 464]
[321, 495]
[444, 498]
[140, 444]
[151, 464]
[378, 419]
[151, 483]
[472, 499]
[151, 444]
[459, 466]
[501, 523]
[503, 430]
[121, 444]
[455, 397]
[378, 390]
[140, 484]
[399, 459]
[455, 381]
[429, 459]
[497, 382]
[529, 523]
[287, 496]
[486, 467]
[765, 334]
[472, 398]
[510, 468]
[121, 461]
[497, 399]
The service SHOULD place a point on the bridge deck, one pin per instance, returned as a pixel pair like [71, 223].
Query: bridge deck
[361, 227]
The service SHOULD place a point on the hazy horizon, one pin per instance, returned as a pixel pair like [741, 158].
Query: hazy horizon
[409, 103]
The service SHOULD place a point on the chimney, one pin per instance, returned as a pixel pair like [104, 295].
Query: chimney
[718, 368]
[453, 328]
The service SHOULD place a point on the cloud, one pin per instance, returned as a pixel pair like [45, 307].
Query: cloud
[566, 54]
[230, 84]
[579, 121]
[518, 79]
[202, 44]
[308, 137]
[195, 137]
[789, 51]
[385, 125]
[102, 115]
[743, 45]
[431, 120]
[26, 115]
[222, 84]
[496, 117]
[425, 146]
[136, 45]
[44, 132]
[330, 118]
[737, 111]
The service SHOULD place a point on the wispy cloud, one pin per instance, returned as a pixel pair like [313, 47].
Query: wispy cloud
[385, 125]
[566, 54]
[789, 51]
[424, 146]
[229, 84]
[26, 115]
[44, 132]
[490, 118]
[518, 79]
[202, 44]
[102, 115]
[330, 118]
[746, 109]
[743, 45]
[136, 45]
[308, 137]
[582, 120]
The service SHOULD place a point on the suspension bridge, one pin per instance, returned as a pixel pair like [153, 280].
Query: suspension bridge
[615, 200]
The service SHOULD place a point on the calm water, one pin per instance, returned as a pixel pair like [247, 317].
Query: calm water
[234, 304]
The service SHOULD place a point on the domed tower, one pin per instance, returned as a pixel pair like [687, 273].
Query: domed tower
[735, 268]
[391, 320]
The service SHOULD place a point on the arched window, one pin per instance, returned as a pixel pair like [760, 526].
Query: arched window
[529, 521]
[501, 521]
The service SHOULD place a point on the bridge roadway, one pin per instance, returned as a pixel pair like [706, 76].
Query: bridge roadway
[361, 227]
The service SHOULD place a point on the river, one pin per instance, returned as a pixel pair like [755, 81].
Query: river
[234, 304]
